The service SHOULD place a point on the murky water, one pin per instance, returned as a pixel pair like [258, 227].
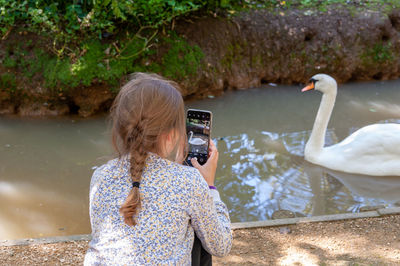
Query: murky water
[46, 164]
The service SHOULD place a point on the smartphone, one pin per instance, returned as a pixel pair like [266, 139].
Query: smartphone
[198, 129]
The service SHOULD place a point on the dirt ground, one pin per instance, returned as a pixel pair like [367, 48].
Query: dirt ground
[369, 241]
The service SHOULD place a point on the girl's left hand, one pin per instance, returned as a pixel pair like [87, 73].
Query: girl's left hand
[210, 167]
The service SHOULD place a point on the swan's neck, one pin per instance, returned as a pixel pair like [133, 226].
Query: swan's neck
[191, 135]
[317, 139]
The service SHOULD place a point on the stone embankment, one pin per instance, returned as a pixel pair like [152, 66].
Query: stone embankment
[250, 49]
[289, 47]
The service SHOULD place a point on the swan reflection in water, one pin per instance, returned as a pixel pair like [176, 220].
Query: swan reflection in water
[385, 188]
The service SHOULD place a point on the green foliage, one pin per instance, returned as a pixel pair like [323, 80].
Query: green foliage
[8, 82]
[181, 59]
[63, 73]
[233, 54]
[68, 20]
[9, 62]
[78, 34]
[77, 30]
[380, 53]
[57, 74]
[105, 63]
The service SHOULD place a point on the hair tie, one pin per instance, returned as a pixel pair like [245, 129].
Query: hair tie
[136, 184]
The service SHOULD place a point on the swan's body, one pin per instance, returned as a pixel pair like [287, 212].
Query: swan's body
[195, 141]
[371, 150]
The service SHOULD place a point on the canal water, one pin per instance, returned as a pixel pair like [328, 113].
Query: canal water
[46, 164]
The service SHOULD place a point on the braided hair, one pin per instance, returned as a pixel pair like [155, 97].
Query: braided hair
[147, 107]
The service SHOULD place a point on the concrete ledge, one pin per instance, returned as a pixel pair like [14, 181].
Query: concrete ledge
[265, 223]
[388, 211]
[322, 218]
[244, 225]
[337, 217]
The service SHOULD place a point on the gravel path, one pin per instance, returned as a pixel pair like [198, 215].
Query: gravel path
[368, 241]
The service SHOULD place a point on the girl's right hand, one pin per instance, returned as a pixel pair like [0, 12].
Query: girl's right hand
[210, 167]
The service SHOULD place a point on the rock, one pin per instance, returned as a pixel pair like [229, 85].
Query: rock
[91, 100]
[7, 109]
[39, 109]
[299, 214]
[371, 208]
[282, 214]
[285, 230]
[262, 47]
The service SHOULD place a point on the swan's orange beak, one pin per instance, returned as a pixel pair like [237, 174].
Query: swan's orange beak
[309, 87]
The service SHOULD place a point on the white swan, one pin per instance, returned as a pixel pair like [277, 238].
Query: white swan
[372, 150]
[195, 141]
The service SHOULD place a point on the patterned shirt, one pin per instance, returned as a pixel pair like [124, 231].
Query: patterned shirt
[175, 200]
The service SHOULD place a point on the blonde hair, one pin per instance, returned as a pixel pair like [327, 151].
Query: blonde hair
[145, 108]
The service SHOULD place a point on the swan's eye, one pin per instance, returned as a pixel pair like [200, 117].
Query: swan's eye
[313, 81]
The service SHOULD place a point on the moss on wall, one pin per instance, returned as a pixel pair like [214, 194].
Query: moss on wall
[101, 63]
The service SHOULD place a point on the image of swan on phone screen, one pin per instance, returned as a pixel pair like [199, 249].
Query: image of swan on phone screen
[198, 124]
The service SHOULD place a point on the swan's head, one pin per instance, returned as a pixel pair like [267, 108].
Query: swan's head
[323, 83]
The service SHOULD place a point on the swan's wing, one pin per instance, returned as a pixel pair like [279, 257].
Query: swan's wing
[374, 140]
[372, 149]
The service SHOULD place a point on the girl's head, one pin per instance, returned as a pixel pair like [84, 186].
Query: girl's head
[148, 116]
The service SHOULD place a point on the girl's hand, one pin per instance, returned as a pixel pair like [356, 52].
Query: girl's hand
[210, 167]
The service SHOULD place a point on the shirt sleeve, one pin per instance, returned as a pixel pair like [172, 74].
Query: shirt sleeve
[210, 218]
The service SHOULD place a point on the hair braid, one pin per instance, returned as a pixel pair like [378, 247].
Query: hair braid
[138, 156]
[146, 109]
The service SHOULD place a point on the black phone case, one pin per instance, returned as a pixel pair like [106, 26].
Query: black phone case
[201, 158]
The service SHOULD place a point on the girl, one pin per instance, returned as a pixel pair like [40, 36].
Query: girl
[145, 206]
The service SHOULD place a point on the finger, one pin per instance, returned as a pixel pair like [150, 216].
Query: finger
[213, 159]
[213, 156]
[212, 146]
[195, 163]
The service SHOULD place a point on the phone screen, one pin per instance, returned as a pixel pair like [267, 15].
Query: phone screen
[198, 125]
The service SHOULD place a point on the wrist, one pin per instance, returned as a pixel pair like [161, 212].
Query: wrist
[212, 187]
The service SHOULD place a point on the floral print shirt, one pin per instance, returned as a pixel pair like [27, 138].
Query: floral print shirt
[175, 202]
